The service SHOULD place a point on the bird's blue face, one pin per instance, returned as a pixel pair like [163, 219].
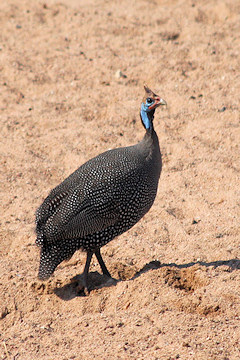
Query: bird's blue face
[148, 106]
[149, 103]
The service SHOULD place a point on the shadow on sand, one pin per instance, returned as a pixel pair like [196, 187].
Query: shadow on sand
[74, 289]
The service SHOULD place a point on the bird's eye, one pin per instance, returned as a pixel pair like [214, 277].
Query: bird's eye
[149, 100]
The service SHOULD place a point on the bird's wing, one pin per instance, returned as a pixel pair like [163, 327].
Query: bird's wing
[49, 207]
[78, 216]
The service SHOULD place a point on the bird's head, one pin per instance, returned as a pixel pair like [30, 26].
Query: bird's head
[149, 103]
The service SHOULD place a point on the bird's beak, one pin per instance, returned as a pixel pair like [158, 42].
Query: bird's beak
[162, 102]
[158, 101]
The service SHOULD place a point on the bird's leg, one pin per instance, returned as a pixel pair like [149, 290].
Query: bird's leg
[101, 263]
[85, 272]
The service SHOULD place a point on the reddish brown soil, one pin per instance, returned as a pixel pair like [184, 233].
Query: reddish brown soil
[63, 100]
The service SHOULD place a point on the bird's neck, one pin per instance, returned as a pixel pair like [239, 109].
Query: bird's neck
[147, 118]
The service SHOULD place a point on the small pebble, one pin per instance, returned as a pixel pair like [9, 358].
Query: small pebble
[222, 109]
[196, 220]
[119, 74]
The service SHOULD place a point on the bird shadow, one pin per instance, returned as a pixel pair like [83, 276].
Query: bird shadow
[233, 264]
[75, 289]
[98, 281]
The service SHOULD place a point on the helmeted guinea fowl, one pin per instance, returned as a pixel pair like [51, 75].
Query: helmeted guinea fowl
[103, 198]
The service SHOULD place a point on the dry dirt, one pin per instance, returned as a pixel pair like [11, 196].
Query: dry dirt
[71, 78]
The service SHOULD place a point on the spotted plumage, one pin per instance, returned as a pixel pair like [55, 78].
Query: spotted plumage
[103, 198]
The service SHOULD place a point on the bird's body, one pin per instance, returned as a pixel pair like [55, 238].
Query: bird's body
[103, 198]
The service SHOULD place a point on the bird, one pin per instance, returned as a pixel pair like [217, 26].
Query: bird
[102, 199]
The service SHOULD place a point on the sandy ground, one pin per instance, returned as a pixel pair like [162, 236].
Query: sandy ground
[63, 101]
